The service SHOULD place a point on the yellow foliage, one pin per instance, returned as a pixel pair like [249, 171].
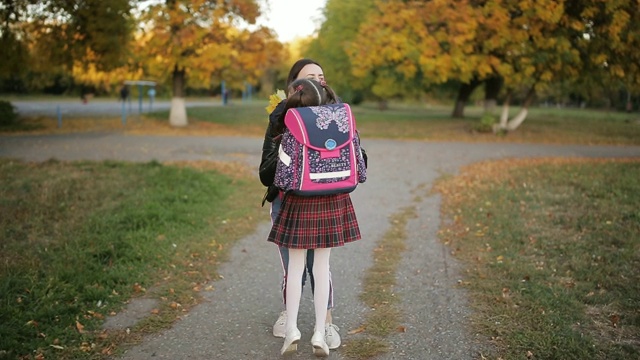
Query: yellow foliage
[106, 80]
[550, 11]
[546, 76]
[618, 71]
[274, 100]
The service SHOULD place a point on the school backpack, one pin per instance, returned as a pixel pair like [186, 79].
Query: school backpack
[320, 152]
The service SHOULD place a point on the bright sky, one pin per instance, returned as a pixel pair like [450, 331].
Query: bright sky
[292, 18]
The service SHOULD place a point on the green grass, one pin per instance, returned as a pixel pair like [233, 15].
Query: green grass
[80, 239]
[400, 121]
[552, 252]
[422, 122]
[248, 119]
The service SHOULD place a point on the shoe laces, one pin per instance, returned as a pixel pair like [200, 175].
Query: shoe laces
[331, 326]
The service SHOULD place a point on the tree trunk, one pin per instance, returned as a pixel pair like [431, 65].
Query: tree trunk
[178, 114]
[464, 93]
[522, 115]
[492, 88]
[504, 117]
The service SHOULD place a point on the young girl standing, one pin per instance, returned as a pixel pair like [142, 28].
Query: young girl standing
[311, 222]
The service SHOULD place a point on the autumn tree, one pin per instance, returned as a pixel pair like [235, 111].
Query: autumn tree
[523, 45]
[255, 53]
[13, 36]
[611, 42]
[407, 46]
[54, 35]
[199, 38]
[329, 48]
[536, 50]
[553, 42]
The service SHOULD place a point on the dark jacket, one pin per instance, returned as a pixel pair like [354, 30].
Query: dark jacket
[270, 147]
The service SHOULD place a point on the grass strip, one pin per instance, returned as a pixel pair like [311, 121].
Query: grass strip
[378, 291]
[80, 239]
[400, 121]
[552, 255]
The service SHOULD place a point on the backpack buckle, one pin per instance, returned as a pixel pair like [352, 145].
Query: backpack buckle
[330, 144]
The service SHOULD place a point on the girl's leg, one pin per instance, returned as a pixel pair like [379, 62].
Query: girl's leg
[309, 268]
[279, 327]
[295, 270]
[294, 288]
[321, 275]
[322, 285]
[310, 255]
[284, 260]
[284, 252]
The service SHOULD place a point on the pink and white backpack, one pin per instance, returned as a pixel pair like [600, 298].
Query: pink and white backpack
[320, 152]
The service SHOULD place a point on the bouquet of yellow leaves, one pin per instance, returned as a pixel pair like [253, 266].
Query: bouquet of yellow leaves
[274, 100]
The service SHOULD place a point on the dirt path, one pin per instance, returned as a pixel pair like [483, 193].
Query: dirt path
[234, 321]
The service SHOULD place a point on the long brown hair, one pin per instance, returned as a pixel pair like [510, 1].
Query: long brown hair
[306, 92]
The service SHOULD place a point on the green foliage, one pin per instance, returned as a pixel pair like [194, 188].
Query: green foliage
[8, 114]
[343, 18]
[485, 125]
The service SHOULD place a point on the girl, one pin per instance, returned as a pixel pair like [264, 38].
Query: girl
[301, 69]
[311, 222]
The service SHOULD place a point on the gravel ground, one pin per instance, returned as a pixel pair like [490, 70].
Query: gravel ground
[234, 321]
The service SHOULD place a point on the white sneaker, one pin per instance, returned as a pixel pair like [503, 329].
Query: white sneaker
[279, 326]
[291, 342]
[320, 347]
[331, 336]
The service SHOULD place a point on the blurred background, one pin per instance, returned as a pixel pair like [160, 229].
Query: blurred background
[459, 52]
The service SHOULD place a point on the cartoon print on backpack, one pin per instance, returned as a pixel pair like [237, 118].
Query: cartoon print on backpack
[327, 114]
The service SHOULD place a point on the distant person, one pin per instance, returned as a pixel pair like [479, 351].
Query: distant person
[152, 95]
[124, 93]
[83, 95]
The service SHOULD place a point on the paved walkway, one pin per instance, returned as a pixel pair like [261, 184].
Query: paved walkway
[234, 321]
[69, 108]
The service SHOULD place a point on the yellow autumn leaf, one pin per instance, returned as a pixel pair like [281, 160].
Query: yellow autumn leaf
[175, 305]
[274, 100]
[356, 331]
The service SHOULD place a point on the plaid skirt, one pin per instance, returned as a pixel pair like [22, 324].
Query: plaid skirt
[315, 222]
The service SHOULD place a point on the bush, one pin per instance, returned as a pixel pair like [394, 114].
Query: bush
[486, 123]
[8, 114]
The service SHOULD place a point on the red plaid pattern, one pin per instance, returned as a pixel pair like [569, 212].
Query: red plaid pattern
[313, 222]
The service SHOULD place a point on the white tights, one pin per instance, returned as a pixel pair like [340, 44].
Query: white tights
[294, 286]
